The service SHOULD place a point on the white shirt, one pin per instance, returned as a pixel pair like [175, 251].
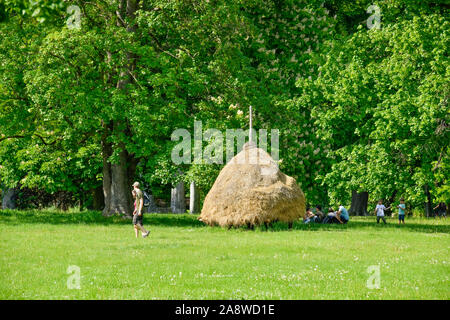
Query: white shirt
[380, 210]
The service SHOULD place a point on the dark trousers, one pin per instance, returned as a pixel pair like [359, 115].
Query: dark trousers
[378, 219]
[330, 219]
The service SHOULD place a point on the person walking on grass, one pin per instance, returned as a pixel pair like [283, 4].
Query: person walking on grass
[401, 211]
[138, 220]
[136, 230]
[380, 211]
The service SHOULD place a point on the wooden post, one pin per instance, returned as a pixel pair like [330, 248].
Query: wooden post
[194, 200]
[250, 135]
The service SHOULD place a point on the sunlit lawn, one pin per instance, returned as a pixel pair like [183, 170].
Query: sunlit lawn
[182, 259]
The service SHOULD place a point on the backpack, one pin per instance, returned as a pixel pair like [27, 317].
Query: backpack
[146, 199]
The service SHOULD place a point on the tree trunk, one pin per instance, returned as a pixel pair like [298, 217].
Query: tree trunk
[107, 182]
[194, 200]
[98, 199]
[428, 204]
[390, 201]
[117, 186]
[9, 197]
[359, 203]
[177, 199]
[82, 200]
[121, 201]
[117, 176]
[63, 200]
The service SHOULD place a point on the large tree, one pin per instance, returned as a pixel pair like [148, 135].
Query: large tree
[91, 96]
[381, 101]
[122, 79]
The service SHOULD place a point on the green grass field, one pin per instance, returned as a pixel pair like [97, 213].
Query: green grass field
[182, 259]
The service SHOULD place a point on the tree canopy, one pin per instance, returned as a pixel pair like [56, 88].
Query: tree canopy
[90, 93]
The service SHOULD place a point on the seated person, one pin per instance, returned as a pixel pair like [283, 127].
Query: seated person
[309, 216]
[331, 216]
[319, 213]
[342, 215]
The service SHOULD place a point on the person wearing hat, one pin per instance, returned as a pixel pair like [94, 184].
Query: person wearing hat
[138, 220]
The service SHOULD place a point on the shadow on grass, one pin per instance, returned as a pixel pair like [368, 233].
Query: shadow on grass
[14, 217]
[364, 223]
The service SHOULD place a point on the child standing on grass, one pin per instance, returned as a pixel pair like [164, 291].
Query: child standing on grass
[401, 211]
[380, 211]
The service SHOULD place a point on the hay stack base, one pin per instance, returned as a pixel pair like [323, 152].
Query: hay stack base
[251, 190]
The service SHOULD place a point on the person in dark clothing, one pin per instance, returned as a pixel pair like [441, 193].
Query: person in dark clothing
[319, 213]
[331, 217]
[441, 209]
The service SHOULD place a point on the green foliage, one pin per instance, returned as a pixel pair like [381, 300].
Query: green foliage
[382, 103]
[38, 10]
[202, 174]
[356, 109]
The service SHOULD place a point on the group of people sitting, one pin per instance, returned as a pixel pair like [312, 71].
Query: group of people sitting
[340, 216]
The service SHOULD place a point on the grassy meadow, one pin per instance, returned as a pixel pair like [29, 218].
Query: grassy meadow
[183, 259]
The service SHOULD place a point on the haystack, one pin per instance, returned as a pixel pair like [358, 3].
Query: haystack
[251, 190]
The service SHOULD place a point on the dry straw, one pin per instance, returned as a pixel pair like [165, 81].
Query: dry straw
[251, 190]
